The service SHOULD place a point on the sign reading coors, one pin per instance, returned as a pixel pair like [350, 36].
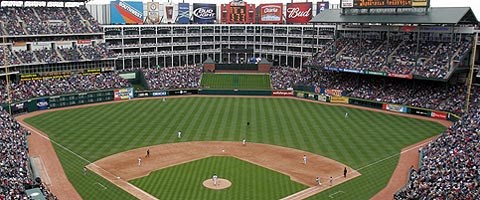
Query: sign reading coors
[299, 13]
[204, 13]
[270, 13]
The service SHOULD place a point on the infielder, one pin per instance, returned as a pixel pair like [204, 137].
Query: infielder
[214, 179]
[244, 142]
[179, 134]
[318, 181]
[331, 181]
[305, 159]
[139, 161]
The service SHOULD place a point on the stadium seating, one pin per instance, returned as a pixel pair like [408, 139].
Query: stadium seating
[173, 77]
[432, 95]
[14, 170]
[48, 87]
[450, 163]
[46, 20]
[434, 59]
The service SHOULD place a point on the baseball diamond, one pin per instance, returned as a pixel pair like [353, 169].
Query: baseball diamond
[234, 99]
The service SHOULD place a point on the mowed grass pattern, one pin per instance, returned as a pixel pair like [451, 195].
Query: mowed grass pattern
[236, 81]
[261, 183]
[364, 138]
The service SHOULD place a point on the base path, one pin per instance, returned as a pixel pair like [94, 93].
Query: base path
[287, 161]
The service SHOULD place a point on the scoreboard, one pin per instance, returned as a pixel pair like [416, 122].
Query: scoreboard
[237, 12]
[385, 3]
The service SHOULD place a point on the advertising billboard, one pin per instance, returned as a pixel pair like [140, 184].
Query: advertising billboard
[204, 13]
[153, 12]
[299, 13]
[321, 6]
[385, 4]
[270, 13]
[168, 13]
[183, 13]
[126, 12]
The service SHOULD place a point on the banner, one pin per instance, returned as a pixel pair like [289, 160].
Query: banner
[126, 12]
[204, 13]
[421, 112]
[299, 13]
[438, 115]
[321, 6]
[282, 93]
[270, 13]
[153, 12]
[333, 92]
[395, 108]
[346, 4]
[122, 94]
[407, 76]
[168, 13]
[42, 104]
[159, 93]
[183, 13]
[338, 99]
[322, 98]
[376, 73]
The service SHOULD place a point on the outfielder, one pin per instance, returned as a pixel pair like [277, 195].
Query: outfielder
[346, 115]
[179, 134]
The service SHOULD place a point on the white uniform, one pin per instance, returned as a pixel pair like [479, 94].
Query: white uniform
[139, 161]
[331, 181]
[244, 141]
[179, 134]
[304, 159]
[346, 115]
[215, 178]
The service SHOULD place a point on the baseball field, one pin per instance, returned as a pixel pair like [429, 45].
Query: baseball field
[366, 141]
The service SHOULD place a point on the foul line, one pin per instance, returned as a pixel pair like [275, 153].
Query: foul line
[104, 187]
[79, 156]
[338, 192]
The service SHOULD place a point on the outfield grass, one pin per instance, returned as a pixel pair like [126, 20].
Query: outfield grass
[235, 81]
[367, 141]
[243, 175]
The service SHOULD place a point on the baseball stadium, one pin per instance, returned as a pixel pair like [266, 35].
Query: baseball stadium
[347, 99]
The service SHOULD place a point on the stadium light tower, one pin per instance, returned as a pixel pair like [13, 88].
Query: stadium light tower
[7, 85]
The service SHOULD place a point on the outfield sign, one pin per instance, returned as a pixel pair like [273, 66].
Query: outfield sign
[204, 13]
[438, 115]
[282, 93]
[394, 108]
[338, 99]
[126, 12]
[122, 94]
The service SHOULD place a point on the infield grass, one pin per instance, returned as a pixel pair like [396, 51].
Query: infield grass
[367, 141]
[236, 81]
[261, 183]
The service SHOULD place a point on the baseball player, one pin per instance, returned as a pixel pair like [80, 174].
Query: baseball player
[244, 142]
[317, 180]
[305, 159]
[214, 179]
[346, 115]
[179, 134]
[331, 181]
[345, 173]
[84, 171]
[148, 153]
[163, 99]
[139, 161]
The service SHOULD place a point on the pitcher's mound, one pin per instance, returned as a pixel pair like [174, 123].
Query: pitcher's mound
[221, 184]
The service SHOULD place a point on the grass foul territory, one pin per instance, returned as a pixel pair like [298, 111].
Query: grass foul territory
[365, 137]
[236, 81]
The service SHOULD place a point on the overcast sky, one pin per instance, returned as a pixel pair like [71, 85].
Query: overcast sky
[474, 4]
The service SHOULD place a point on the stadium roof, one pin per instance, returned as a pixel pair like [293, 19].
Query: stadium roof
[439, 15]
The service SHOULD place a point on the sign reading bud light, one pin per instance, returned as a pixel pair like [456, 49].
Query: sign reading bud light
[299, 13]
[204, 13]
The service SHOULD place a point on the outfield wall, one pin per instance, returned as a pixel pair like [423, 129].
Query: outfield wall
[43, 103]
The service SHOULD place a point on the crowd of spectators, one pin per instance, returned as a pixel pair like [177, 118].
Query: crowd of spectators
[450, 163]
[46, 20]
[428, 59]
[15, 174]
[24, 90]
[173, 77]
[424, 94]
[48, 55]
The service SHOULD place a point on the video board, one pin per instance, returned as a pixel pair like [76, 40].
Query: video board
[358, 4]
